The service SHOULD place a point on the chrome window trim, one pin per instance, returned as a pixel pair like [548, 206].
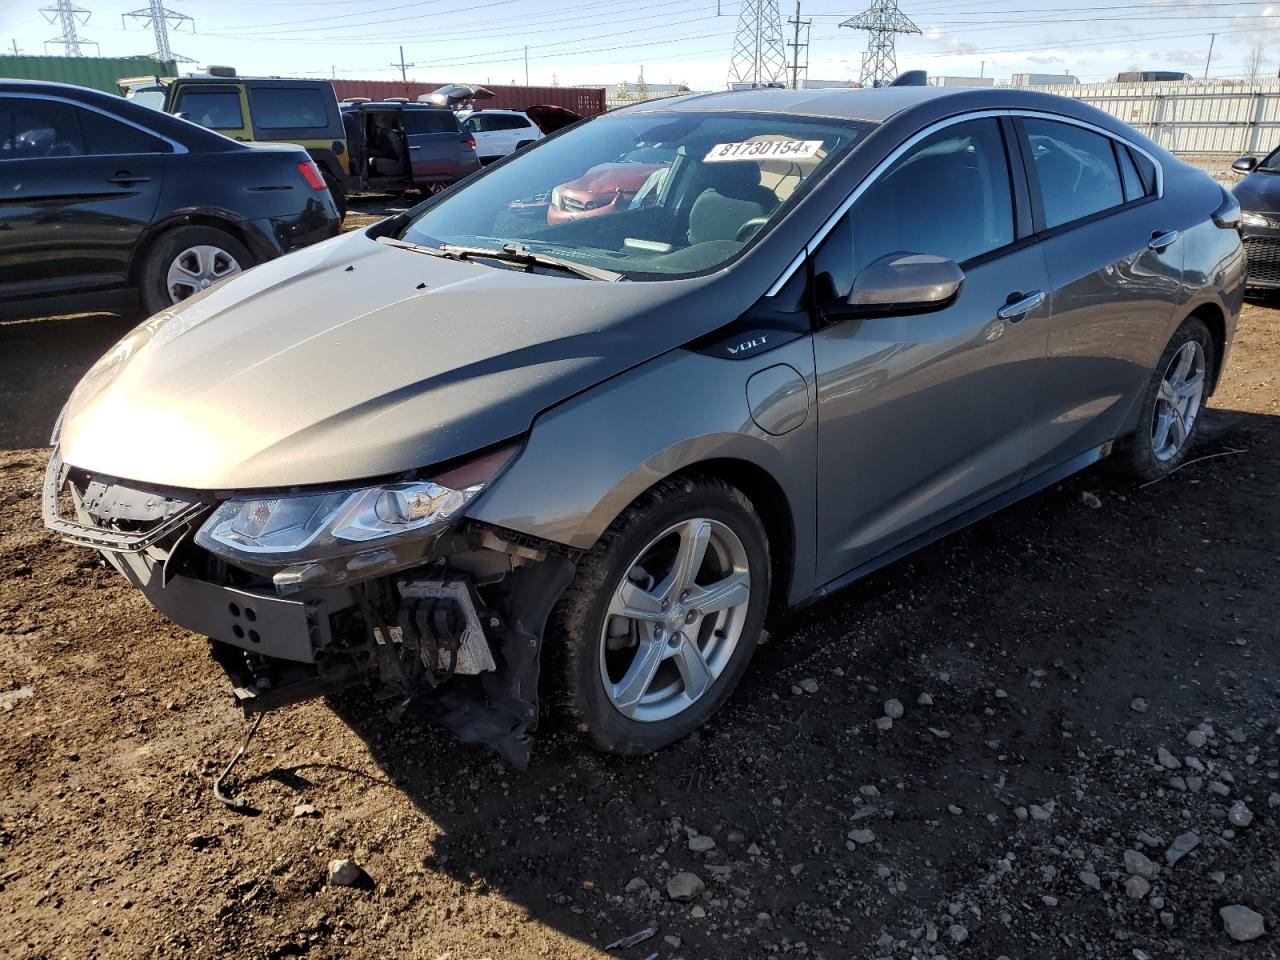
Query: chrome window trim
[178, 148]
[829, 224]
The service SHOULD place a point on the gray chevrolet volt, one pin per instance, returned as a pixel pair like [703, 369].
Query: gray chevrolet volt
[574, 427]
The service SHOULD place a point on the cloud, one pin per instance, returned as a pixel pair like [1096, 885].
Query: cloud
[960, 46]
[1046, 58]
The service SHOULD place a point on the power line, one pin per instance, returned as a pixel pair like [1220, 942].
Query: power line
[758, 57]
[882, 23]
[69, 17]
[158, 17]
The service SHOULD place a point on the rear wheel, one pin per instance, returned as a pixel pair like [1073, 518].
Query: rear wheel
[664, 614]
[1171, 406]
[187, 260]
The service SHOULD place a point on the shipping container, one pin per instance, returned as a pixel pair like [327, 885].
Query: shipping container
[98, 73]
[585, 101]
[1042, 79]
[962, 81]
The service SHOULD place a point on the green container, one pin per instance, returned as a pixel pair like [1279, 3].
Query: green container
[98, 73]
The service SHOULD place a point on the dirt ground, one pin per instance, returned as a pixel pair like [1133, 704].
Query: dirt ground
[1061, 642]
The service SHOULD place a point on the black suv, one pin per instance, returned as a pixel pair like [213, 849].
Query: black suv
[102, 193]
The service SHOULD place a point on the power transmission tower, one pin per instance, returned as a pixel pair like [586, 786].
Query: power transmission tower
[758, 56]
[404, 67]
[882, 23]
[159, 18]
[69, 16]
[797, 46]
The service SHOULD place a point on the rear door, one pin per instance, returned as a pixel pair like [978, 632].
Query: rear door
[435, 144]
[81, 186]
[922, 417]
[1115, 270]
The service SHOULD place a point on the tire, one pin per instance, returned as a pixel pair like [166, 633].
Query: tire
[231, 257]
[600, 650]
[1153, 450]
[337, 192]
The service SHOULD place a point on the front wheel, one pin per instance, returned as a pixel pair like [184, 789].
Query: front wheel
[1171, 405]
[664, 614]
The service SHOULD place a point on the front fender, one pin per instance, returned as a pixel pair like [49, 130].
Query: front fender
[586, 459]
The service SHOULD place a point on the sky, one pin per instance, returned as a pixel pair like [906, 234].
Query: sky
[604, 42]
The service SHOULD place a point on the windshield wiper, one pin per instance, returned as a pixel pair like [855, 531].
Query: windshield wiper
[510, 253]
[519, 253]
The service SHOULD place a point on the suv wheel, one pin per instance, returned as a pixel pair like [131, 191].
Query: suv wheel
[1171, 405]
[184, 261]
[664, 614]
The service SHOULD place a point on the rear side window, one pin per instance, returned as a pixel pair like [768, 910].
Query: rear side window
[1077, 171]
[217, 108]
[429, 121]
[488, 122]
[949, 195]
[1134, 189]
[38, 128]
[288, 108]
[103, 136]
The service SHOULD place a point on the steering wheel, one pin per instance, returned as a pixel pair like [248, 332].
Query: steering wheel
[749, 229]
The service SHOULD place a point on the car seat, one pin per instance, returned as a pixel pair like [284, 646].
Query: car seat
[732, 197]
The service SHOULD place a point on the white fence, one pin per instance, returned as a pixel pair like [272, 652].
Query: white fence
[1192, 118]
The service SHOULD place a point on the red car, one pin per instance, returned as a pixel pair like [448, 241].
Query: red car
[608, 187]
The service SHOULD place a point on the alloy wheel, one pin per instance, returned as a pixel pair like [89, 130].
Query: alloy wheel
[198, 268]
[674, 620]
[1178, 401]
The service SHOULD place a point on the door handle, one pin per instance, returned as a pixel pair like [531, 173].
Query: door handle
[127, 179]
[1160, 240]
[1014, 312]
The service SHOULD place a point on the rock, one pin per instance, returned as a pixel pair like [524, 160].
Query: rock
[1241, 923]
[305, 810]
[1139, 705]
[809, 685]
[893, 709]
[958, 933]
[701, 843]
[1239, 814]
[1090, 879]
[1049, 901]
[345, 873]
[198, 841]
[1090, 500]
[684, 887]
[9, 699]
[884, 723]
[1236, 735]
[1197, 739]
[673, 941]
[862, 836]
[1001, 694]
[924, 700]
[869, 790]
[636, 885]
[1138, 864]
[1218, 787]
[1137, 887]
[1042, 813]
[954, 810]
[736, 836]
[1182, 845]
[1178, 784]
[1167, 759]
[753, 850]
[1273, 800]
[1020, 813]
[697, 912]
[1166, 918]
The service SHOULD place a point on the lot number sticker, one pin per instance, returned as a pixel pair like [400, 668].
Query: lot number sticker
[763, 150]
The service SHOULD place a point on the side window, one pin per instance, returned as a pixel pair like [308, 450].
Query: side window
[949, 195]
[1146, 171]
[288, 108]
[217, 108]
[103, 136]
[38, 128]
[1076, 168]
[429, 121]
[1134, 188]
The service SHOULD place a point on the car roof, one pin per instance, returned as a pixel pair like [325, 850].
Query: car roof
[211, 78]
[393, 105]
[843, 103]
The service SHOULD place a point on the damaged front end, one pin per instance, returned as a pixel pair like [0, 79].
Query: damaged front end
[306, 593]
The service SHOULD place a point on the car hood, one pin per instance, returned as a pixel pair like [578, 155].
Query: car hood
[354, 359]
[1259, 191]
[612, 177]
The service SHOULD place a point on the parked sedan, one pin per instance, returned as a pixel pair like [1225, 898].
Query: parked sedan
[102, 193]
[1259, 197]
[467, 446]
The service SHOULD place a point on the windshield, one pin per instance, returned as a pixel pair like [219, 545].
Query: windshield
[1272, 162]
[651, 196]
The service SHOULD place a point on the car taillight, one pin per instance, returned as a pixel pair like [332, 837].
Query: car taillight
[311, 173]
[471, 142]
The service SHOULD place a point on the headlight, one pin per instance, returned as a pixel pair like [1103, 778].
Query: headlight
[312, 539]
[1251, 219]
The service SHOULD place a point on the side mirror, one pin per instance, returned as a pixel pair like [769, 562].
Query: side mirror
[901, 283]
[1245, 165]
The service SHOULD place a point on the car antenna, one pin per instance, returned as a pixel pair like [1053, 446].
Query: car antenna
[219, 785]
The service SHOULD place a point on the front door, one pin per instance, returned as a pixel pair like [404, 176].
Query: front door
[922, 417]
[83, 187]
[217, 106]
